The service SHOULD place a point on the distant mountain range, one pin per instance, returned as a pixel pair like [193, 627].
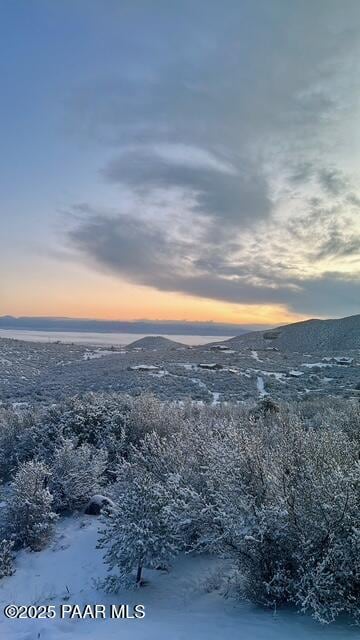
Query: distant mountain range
[119, 326]
[309, 335]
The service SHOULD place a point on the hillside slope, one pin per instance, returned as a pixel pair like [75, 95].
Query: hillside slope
[310, 335]
[154, 342]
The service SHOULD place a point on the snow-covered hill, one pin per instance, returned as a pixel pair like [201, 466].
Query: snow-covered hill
[155, 342]
[178, 605]
[307, 336]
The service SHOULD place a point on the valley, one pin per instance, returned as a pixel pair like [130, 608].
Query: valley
[229, 371]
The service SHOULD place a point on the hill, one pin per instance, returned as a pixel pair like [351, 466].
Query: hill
[150, 343]
[310, 335]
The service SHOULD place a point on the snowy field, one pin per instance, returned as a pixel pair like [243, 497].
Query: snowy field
[179, 605]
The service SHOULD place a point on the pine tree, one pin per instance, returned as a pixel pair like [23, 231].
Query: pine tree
[138, 533]
[29, 515]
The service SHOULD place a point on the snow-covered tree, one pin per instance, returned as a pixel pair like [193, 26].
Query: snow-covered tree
[148, 414]
[18, 440]
[286, 511]
[273, 489]
[29, 516]
[6, 558]
[92, 417]
[139, 531]
[76, 474]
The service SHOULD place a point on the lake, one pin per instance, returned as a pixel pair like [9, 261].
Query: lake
[106, 339]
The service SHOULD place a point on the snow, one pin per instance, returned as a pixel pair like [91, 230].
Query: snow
[339, 360]
[99, 353]
[271, 374]
[179, 605]
[186, 365]
[344, 360]
[254, 354]
[260, 386]
[198, 382]
[221, 347]
[322, 365]
[144, 367]
[160, 374]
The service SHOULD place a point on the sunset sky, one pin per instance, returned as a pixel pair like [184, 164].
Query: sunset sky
[180, 159]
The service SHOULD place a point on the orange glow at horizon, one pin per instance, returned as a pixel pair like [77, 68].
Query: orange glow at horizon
[74, 291]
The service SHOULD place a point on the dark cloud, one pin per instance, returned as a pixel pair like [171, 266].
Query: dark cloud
[139, 251]
[236, 110]
[146, 255]
[221, 75]
[330, 293]
[230, 195]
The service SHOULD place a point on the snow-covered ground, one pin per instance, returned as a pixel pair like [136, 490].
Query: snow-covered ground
[100, 353]
[261, 386]
[178, 605]
[254, 354]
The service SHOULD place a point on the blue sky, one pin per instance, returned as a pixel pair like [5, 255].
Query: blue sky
[180, 159]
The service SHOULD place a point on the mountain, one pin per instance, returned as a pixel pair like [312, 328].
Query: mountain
[157, 343]
[149, 327]
[309, 335]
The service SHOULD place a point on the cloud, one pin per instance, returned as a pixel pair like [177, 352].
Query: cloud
[149, 256]
[228, 134]
[232, 196]
[332, 181]
[339, 245]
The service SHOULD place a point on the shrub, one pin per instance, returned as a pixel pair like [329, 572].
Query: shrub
[6, 558]
[77, 473]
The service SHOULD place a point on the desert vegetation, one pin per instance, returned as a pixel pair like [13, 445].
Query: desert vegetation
[273, 488]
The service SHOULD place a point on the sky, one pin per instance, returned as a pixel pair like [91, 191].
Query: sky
[180, 160]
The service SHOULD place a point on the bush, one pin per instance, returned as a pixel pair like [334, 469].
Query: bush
[273, 489]
[77, 473]
[278, 498]
[6, 558]
[17, 440]
[148, 415]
